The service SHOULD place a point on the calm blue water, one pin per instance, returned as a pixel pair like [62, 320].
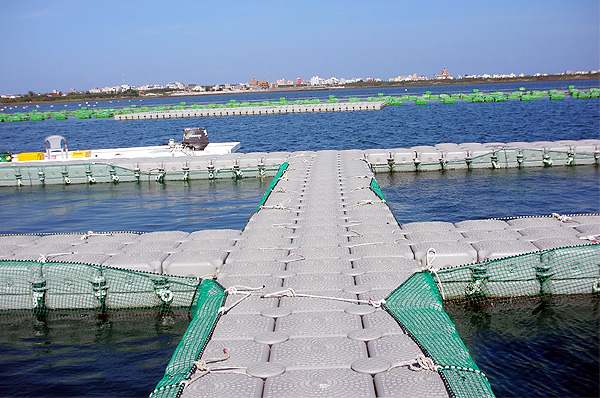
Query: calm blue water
[536, 347]
[143, 207]
[120, 354]
[450, 196]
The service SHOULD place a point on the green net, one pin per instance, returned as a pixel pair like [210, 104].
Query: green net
[377, 190]
[205, 312]
[274, 182]
[47, 286]
[566, 270]
[417, 306]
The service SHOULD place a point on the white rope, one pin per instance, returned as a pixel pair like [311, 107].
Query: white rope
[92, 233]
[289, 292]
[279, 206]
[592, 238]
[422, 363]
[359, 188]
[294, 259]
[209, 276]
[289, 226]
[358, 234]
[247, 291]
[366, 202]
[562, 218]
[429, 259]
[202, 367]
[362, 176]
[43, 259]
[365, 244]
[241, 289]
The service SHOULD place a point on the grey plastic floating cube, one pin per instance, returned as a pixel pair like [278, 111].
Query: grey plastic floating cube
[388, 280]
[224, 385]
[403, 382]
[535, 233]
[311, 305]
[19, 240]
[384, 250]
[190, 263]
[496, 234]
[316, 282]
[395, 348]
[178, 236]
[319, 265]
[256, 255]
[318, 324]
[148, 261]
[521, 223]
[382, 264]
[233, 326]
[447, 253]
[490, 250]
[165, 246]
[382, 321]
[69, 239]
[7, 250]
[554, 243]
[437, 236]
[266, 267]
[320, 383]
[215, 234]
[318, 352]
[430, 226]
[487, 225]
[107, 248]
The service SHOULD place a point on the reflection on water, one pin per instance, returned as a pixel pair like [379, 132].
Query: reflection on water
[68, 354]
[459, 195]
[143, 207]
[536, 347]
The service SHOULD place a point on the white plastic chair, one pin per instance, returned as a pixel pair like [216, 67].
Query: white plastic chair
[56, 147]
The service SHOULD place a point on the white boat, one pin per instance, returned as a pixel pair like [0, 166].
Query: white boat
[194, 144]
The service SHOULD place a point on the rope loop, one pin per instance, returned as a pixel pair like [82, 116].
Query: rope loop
[592, 238]
[419, 364]
[562, 218]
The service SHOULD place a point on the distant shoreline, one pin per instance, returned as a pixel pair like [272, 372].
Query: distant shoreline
[359, 85]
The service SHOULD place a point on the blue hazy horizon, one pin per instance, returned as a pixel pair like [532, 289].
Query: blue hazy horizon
[62, 44]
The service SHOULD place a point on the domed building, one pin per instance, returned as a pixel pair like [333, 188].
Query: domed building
[443, 76]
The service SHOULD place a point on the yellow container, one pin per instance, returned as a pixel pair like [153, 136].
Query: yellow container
[27, 156]
[81, 154]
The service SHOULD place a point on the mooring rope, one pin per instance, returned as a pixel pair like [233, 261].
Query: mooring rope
[429, 259]
[289, 292]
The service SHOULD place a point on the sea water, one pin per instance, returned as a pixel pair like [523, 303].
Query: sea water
[45, 353]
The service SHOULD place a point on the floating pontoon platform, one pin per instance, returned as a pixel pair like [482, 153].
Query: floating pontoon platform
[323, 293]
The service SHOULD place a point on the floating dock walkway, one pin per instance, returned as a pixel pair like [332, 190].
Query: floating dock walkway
[440, 157]
[323, 293]
[252, 110]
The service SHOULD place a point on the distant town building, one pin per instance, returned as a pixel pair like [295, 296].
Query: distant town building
[409, 78]
[255, 84]
[317, 81]
[443, 76]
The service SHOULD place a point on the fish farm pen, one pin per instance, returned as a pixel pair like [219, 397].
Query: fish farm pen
[323, 292]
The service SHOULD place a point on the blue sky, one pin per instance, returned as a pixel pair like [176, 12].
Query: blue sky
[61, 44]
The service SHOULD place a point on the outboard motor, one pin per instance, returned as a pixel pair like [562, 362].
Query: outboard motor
[195, 138]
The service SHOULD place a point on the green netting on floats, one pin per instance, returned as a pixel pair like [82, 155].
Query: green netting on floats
[47, 286]
[417, 306]
[566, 270]
[274, 182]
[205, 312]
[377, 190]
